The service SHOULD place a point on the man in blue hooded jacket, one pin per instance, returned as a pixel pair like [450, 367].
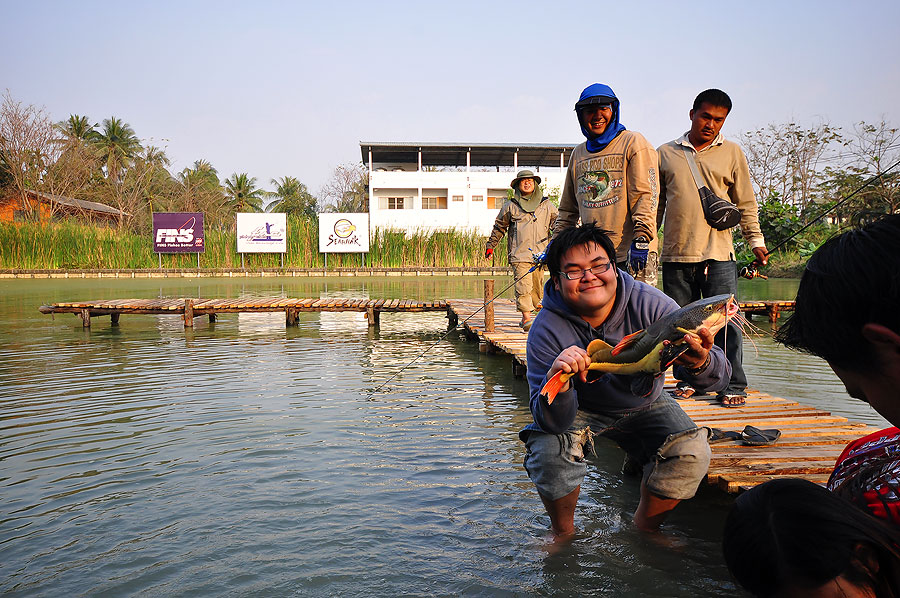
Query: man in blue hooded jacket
[612, 181]
[586, 298]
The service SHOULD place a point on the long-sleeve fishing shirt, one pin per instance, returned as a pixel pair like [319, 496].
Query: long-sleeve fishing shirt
[616, 188]
[529, 232]
[556, 327]
[687, 238]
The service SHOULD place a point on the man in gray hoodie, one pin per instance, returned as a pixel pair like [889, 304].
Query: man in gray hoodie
[588, 298]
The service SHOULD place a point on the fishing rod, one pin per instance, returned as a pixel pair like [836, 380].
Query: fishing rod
[750, 271]
[539, 260]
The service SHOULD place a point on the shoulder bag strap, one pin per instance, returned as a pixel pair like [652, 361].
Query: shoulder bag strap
[695, 172]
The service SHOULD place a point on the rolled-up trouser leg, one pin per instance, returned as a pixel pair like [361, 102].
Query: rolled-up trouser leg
[555, 462]
[679, 465]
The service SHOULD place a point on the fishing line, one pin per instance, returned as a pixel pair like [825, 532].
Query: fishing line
[751, 272]
[539, 261]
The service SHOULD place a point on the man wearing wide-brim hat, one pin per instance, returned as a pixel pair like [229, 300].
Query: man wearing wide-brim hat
[528, 220]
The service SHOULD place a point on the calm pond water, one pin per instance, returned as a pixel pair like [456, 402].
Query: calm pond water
[246, 459]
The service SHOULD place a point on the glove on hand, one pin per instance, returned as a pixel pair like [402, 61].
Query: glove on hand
[489, 252]
[637, 255]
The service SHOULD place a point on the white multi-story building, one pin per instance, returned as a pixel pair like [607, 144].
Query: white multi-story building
[441, 186]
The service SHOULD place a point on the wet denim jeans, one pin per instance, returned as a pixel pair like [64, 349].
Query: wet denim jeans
[686, 283]
[673, 452]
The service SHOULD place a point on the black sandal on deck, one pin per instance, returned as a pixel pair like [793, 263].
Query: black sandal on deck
[756, 437]
[717, 435]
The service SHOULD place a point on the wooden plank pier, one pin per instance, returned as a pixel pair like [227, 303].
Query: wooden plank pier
[189, 308]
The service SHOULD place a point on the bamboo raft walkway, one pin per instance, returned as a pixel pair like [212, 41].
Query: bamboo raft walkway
[811, 438]
[188, 309]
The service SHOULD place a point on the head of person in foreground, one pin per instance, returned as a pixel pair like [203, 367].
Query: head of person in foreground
[793, 538]
[848, 312]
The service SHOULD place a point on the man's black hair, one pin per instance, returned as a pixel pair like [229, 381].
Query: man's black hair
[791, 532]
[571, 237]
[851, 280]
[713, 97]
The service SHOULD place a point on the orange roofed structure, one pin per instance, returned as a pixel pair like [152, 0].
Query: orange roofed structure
[49, 207]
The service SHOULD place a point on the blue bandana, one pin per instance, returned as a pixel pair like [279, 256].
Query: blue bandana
[595, 143]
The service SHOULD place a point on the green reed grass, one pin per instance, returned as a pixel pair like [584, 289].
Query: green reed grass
[70, 245]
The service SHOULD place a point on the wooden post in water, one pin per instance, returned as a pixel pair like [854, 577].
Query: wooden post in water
[489, 305]
[189, 312]
[86, 318]
[373, 317]
[114, 318]
[452, 319]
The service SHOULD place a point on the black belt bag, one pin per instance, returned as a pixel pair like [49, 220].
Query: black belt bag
[719, 213]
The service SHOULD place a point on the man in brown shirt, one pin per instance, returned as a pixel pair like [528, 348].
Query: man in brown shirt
[611, 181]
[698, 260]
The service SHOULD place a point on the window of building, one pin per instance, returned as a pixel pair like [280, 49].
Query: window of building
[394, 203]
[496, 198]
[495, 202]
[434, 203]
[457, 198]
[478, 198]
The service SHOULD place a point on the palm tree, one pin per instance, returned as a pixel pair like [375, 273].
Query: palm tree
[292, 197]
[117, 144]
[201, 191]
[242, 194]
[155, 157]
[200, 175]
[77, 127]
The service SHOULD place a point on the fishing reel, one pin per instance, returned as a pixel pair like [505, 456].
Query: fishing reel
[751, 271]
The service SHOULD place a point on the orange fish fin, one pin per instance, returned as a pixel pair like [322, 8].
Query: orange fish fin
[626, 342]
[551, 388]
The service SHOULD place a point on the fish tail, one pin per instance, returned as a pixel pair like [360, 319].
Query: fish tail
[551, 388]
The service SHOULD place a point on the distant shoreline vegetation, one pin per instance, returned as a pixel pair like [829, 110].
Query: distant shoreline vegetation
[70, 245]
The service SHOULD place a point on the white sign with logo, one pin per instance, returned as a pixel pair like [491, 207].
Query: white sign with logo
[344, 233]
[262, 233]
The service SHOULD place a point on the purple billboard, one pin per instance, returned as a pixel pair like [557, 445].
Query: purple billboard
[178, 232]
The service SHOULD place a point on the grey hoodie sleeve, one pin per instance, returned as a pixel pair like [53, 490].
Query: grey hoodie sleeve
[543, 349]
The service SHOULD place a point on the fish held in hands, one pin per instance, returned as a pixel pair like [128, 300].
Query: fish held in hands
[651, 351]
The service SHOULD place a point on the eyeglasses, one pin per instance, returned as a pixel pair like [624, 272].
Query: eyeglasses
[595, 270]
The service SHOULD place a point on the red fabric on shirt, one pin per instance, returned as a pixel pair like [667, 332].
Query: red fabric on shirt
[868, 474]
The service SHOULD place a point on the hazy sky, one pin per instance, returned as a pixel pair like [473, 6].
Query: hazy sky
[279, 88]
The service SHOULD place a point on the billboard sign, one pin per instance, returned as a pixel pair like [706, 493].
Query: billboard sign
[178, 232]
[262, 233]
[344, 233]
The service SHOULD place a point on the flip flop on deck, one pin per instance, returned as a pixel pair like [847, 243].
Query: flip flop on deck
[683, 390]
[717, 435]
[756, 437]
[732, 401]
